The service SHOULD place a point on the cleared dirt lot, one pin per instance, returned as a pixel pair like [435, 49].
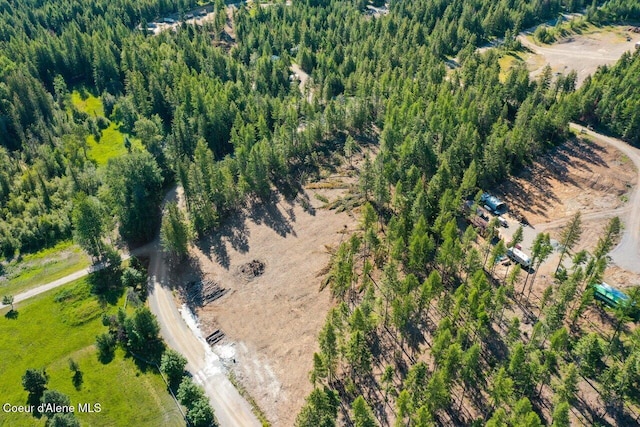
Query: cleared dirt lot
[273, 309]
[588, 175]
[581, 52]
[583, 175]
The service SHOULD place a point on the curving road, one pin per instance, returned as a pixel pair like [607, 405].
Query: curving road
[207, 369]
[627, 254]
[231, 409]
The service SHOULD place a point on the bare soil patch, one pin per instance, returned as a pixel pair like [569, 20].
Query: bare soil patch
[581, 52]
[580, 175]
[271, 260]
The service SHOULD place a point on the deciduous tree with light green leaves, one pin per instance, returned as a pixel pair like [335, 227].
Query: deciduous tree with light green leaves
[172, 365]
[88, 224]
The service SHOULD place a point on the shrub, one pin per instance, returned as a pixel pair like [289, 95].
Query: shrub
[106, 345]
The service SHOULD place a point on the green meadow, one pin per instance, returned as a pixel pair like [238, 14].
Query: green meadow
[111, 143]
[42, 267]
[60, 325]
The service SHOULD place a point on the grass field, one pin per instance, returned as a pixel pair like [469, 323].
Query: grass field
[111, 142]
[111, 145]
[85, 102]
[63, 324]
[506, 62]
[42, 267]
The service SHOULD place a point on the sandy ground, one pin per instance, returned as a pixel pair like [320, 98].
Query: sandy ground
[305, 86]
[581, 52]
[596, 176]
[581, 175]
[271, 321]
[586, 175]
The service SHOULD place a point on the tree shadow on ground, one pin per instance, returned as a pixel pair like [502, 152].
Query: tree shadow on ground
[495, 347]
[191, 288]
[233, 231]
[107, 356]
[269, 213]
[576, 153]
[149, 358]
[77, 380]
[595, 416]
[278, 216]
[11, 314]
[106, 284]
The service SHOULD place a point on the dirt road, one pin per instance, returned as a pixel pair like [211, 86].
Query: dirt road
[304, 78]
[231, 409]
[593, 216]
[62, 281]
[207, 370]
[627, 254]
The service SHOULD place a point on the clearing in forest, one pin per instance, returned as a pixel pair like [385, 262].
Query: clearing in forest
[271, 259]
[584, 52]
[111, 143]
[585, 175]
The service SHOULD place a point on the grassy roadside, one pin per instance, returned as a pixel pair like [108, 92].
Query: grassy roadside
[62, 324]
[254, 405]
[42, 267]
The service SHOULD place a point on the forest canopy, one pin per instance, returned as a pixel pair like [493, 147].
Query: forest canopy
[218, 109]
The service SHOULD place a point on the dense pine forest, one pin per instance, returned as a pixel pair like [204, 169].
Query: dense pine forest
[610, 99]
[422, 333]
[176, 90]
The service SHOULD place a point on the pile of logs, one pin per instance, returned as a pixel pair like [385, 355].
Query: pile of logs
[215, 337]
[201, 293]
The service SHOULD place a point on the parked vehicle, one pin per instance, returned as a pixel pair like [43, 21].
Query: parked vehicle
[609, 295]
[520, 257]
[493, 204]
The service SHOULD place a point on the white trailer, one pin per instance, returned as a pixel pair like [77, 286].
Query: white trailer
[520, 257]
